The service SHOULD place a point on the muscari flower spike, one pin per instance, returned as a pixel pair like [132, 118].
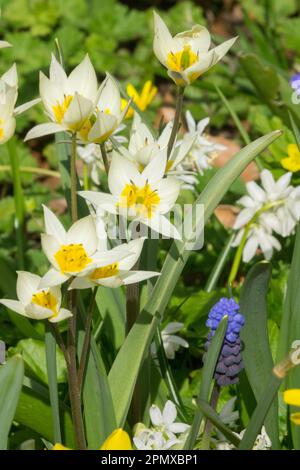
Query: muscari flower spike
[230, 360]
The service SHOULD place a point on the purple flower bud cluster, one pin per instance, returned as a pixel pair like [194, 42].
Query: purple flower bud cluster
[230, 360]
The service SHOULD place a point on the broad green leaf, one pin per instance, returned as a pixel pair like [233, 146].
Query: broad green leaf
[98, 408]
[257, 354]
[111, 305]
[129, 359]
[11, 379]
[34, 355]
[210, 363]
[34, 412]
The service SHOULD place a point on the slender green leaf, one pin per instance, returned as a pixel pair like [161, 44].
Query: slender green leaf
[167, 375]
[290, 326]
[257, 354]
[220, 263]
[257, 419]
[11, 379]
[235, 117]
[50, 345]
[129, 359]
[213, 416]
[208, 370]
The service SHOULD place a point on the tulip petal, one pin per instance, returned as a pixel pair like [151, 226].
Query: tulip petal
[14, 305]
[122, 172]
[27, 285]
[104, 200]
[81, 283]
[78, 112]
[62, 315]
[83, 232]
[24, 107]
[53, 278]
[163, 41]
[83, 80]
[53, 226]
[168, 190]
[133, 277]
[135, 247]
[44, 129]
[161, 224]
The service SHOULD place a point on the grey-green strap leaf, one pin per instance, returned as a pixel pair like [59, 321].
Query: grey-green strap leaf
[256, 352]
[11, 379]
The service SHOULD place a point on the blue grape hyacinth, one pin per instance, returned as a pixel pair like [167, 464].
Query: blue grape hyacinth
[230, 360]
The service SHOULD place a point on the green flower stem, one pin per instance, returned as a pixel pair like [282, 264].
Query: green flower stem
[87, 339]
[205, 443]
[74, 208]
[104, 157]
[238, 256]
[19, 201]
[74, 390]
[179, 102]
[33, 170]
[86, 182]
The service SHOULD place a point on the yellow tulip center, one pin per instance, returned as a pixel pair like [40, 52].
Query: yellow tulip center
[72, 258]
[46, 300]
[142, 200]
[179, 61]
[106, 271]
[59, 109]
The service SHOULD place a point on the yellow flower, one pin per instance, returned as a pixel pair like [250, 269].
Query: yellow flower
[118, 440]
[292, 397]
[141, 100]
[292, 162]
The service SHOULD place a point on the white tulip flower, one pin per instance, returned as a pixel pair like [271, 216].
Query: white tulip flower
[36, 303]
[73, 252]
[8, 98]
[68, 100]
[118, 273]
[186, 56]
[108, 114]
[144, 196]
[143, 146]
